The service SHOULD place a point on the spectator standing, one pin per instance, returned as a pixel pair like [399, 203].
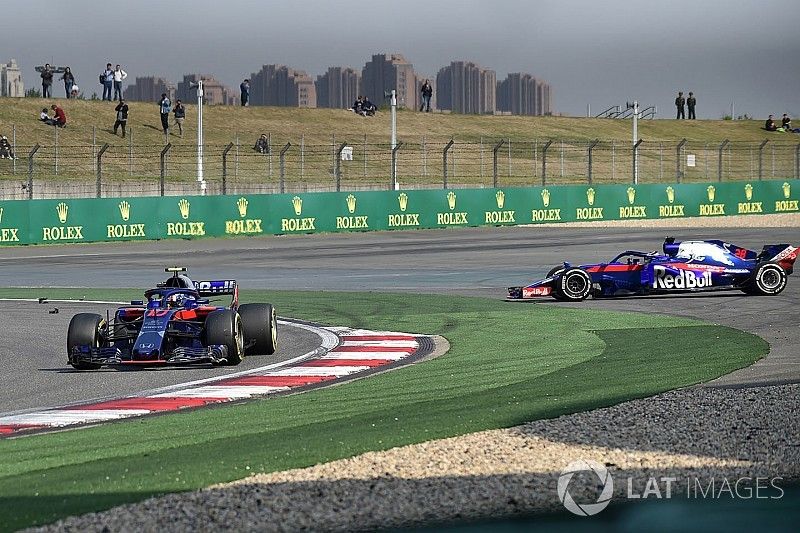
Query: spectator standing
[119, 75]
[47, 81]
[769, 125]
[165, 107]
[122, 116]
[245, 90]
[107, 80]
[690, 103]
[69, 81]
[427, 93]
[680, 104]
[180, 116]
[60, 118]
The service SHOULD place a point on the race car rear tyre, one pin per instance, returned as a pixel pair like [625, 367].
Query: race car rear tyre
[769, 279]
[556, 289]
[84, 330]
[574, 285]
[224, 327]
[260, 327]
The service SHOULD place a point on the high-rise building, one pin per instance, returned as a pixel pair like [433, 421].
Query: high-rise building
[280, 85]
[214, 92]
[386, 73]
[338, 88]
[148, 89]
[11, 80]
[522, 94]
[465, 87]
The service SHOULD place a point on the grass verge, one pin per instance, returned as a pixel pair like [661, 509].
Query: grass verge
[508, 364]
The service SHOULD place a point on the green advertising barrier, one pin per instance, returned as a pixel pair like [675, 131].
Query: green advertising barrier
[188, 217]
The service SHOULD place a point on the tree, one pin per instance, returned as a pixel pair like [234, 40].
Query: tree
[33, 93]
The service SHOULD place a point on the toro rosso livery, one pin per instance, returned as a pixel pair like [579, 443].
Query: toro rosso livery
[683, 266]
[176, 323]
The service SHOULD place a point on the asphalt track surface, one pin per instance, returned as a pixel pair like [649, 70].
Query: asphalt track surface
[472, 262]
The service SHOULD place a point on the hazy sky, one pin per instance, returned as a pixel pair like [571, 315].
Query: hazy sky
[596, 52]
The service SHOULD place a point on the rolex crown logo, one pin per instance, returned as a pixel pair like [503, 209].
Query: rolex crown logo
[183, 206]
[631, 195]
[297, 203]
[451, 200]
[545, 197]
[670, 194]
[711, 190]
[500, 196]
[590, 196]
[124, 210]
[787, 190]
[748, 192]
[403, 201]
[62, 209]
[241, 205]
[351, 203]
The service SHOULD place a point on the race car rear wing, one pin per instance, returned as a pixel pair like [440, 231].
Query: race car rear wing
[216, 287]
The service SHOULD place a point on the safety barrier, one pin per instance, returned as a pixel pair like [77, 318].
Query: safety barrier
[147, 218]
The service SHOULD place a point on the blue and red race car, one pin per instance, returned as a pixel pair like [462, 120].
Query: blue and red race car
[684, 266]
[176, 323]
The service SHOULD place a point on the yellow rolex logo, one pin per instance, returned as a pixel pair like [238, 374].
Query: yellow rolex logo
[545, 197]
[670, 194]
[297, 203]
[124, 210]
[451, 200]
[500, 196]
[403, 201]
[62, 209]
[183, 206]
[590, 196]
[631, 195]
[748, 192]
[241, 205]
[711, 190]
[351, 203]
[787, 190]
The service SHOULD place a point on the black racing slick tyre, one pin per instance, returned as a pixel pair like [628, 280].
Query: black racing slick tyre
[574, 285]
[224, 327]
[769, 279]
[556, 290]
[260, 327]
[84, 330]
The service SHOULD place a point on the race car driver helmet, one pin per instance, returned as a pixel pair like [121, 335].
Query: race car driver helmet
[176, 300]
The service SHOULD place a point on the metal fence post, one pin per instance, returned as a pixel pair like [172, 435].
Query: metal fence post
[55, 150]
[30, 170]
[636, 161]
[283, 165]
[678, 160]
[337, 166]
[14, 146]
[797, 162]
[225, 168]
[719, 161]
[164, 165]
[100, 168]
[591, 147]
[761, 157]
[130, 151]
[444, 163]
[544, 160]
[494, 162]
[394, 185]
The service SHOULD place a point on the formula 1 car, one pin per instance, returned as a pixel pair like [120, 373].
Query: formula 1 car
[175, 324]
[684, 266]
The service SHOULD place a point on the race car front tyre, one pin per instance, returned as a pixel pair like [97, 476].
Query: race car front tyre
[260, 327]
[769, 279]
[84, 330]
[574, 285]
[224, 327]
[556, 289]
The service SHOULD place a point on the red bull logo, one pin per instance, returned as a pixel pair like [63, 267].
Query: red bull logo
[684, 279]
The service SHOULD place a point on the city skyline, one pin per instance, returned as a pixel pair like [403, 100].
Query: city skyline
[597, 54]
